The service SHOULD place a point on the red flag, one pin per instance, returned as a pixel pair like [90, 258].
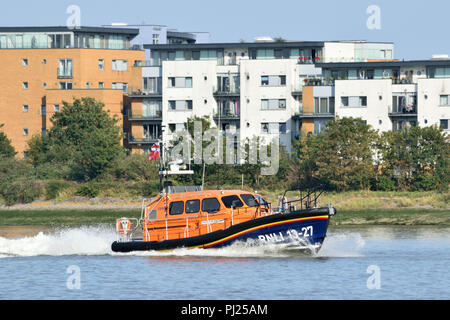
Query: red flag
[154, 152]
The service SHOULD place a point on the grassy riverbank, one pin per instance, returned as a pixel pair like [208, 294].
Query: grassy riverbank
[369, 217]
[354, 208]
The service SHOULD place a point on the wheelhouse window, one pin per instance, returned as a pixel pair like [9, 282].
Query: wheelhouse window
[262, 201]
[192, 206]
[232, 201]
[176, 207]
[249, 200]
[210, 205]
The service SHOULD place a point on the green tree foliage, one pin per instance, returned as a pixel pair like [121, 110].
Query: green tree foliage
[341, 157]
[84, 137]
[6, 149]
[418, 158]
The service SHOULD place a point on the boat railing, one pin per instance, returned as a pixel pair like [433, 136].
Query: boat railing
[308, 198]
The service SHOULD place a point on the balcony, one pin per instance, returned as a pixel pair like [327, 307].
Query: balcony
[144, 140]
[134, 115]
[403, 111]
[227, 92]
[135, 92]
[309, 60]
[146, 63]
[313, 82]
[226, 116]
[313, 115]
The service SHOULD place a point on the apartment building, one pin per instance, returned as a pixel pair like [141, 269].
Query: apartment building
[388, 95]
[256, 89]
[44, 66]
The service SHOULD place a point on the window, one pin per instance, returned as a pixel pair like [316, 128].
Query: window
[249, 200]
[101, 64]
[25, 131]
[264, 127]
[180, 82]
[261, 201]
[176, 207]
[210, 205]
[120, 85]
[65, 68]
[232, 201]
[444, 124]
[355, 102]
[273, 104]
[444, 101]
[44, 84]
[44, 61]
[24, 85]
[56, 108]
[155, 38]
[24, 62]
[43, 110]
[101, 85]
[120, 65]
[363, 101]
[192, 206]
[282, 127]
[180, 105]
[264, 80]
[273, 80]
[176, 127]
[25, 108]
[66, 85]
[88, 85]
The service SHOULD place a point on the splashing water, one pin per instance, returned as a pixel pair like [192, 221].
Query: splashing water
[76, 241]
[342, 246]
[96, 241]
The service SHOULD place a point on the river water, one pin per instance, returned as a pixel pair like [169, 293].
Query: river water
[354, 263]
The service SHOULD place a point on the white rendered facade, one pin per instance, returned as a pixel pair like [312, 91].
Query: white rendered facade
[257, 89]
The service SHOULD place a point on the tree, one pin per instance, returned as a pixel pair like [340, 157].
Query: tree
[6, 149]
[418, 158]
[83, 136]
[341, 157]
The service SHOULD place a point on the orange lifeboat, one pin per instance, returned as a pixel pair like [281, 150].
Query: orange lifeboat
[217, 218]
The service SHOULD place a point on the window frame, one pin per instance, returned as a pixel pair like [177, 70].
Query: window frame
[192, 200]
[212, 211]
[229, 205]
[171, 205]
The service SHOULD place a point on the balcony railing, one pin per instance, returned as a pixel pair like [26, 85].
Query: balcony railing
[309, 60]
[144, 140]
[139, 92]
[139, 115]
[146, 63]
[227, 91]
[403, 111]
[311, 82]
[226, 116]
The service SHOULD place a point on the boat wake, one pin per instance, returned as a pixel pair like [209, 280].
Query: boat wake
[96, 241]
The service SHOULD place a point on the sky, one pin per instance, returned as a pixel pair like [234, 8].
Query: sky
[418, 29]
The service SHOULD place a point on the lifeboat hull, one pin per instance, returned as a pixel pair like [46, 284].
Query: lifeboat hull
[303, 229]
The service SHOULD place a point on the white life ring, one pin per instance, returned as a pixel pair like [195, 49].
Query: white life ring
[123, 226]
